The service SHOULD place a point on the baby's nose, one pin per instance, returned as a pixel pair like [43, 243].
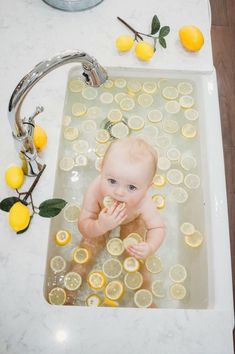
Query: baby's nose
[119, 192]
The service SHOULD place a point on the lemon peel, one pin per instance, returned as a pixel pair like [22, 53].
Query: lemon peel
[14, 176]
[19, 217]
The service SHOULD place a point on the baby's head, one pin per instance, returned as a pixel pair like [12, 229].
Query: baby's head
[128, 168]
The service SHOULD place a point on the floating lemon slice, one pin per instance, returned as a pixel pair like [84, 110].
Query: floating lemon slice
[157, 289]
[76, 85]
[66, 163]
[57, 296]
[112, 268]
[89, 93]
[170, 126]
[143, 298]
[136, 236]
[129, 241]
[80, 146]
[153, 264]
[96, 280]
[133, 281]
[108, 201]
[71, 133]
[115, 115]
[179, 194]
[120, 130]
[172, 107]
[71, 212]
[100, 149]
[66, 120]
[163, 141]
[149, 87]
[187, 228]
[186, 101]
[106, 97]
[81, 255]
[62, 237]
[78, 109]
[170, 93]
[127, 104]
[136, 123]
[150, 131]
[175, 176]
[114, 290]
[72, 281]
[155, 116]
[189, 130]
[119, 96]
[173, 154]
[115, 247]
[120, 83]
[177, 292]
[159, 200]
[108, 302]
[88, 126]
[93, 300]
[162, 82]
[188, 162]
[185, 88]
[191, 114]
[57, 264]
[102, 136]
[159, 180]
[131, 264]
[81, 160]
[94, 112]
[134, 86]
[177, 273]
[192, 181]
[195, 240]
[145, 100]
[164, 163]
[108, 84]
[98, 163]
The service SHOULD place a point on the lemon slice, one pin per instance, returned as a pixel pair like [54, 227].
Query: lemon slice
[66, 163]
[188, 162]
[136, 123]
[94, 112]
[133, 281]
[159, 180]
[163, 141]
[134, 86]
[195, 240]
[111, 303]
[175, 176]
[119, 96]
[108, 201]
[115, 247]
[131, 264]
[186, 101]
[66, 120]
[81, 160]
[172, 107]
[150, 131]
[71, 212]
[102, 136]
[191, 114]
[136, 236]
[145, 100]
[120, 83]
[170, 126]
[173, 154]
[112, 268]
[108, 84]
[88, 126]
[188, 130]
[162, 82]
[76, 85]
[115, 115]
[149, 87]
[187, 228]
[78, 109]
[177, 292]
[119, 130]
[96, 280]
[129, 241]
[57, 264]
[93, 300]
[81, 255]
[143, 298]
[71, 133]
[153, 264]
[98, 163]
[57, 296]
[185, 88]
[177, 273]
[127, 104]
[164, 163]
[89, 93]
[62, 237]
[155, 116]
[72, 281]
[170, 93]
[157, 289]
[100, 149]
[159, 200]
[80, 146]
[106, 97]
[192, 181]
[179, 194]
[114, 290]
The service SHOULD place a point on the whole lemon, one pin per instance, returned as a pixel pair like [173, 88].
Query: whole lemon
[124, 43]
[19, 216]
[191, 38]
[144, 51]
[39, 137]
[14, 176]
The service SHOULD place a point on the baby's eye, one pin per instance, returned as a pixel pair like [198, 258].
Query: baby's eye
[111, 181]
[132, 188]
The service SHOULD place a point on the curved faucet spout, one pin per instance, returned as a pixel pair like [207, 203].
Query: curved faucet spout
[22, 129]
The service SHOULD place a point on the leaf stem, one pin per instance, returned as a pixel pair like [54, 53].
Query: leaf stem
[34, 183]
[131, 28]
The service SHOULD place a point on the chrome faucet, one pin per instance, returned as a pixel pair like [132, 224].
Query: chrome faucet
[22, 129]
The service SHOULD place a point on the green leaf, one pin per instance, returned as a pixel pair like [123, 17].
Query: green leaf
[155, 25]
[164, 31]
[49, 212]
[7, 203]
[162, 42]
[51, 207]
[22, 231]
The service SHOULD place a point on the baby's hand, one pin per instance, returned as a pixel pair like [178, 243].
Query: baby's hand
[109, 218]
[141, 250]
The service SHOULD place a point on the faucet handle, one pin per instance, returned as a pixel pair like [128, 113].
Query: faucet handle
[38, 110]
[30, 120]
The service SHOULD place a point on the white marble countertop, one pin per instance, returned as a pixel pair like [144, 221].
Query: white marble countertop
[30, 31]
